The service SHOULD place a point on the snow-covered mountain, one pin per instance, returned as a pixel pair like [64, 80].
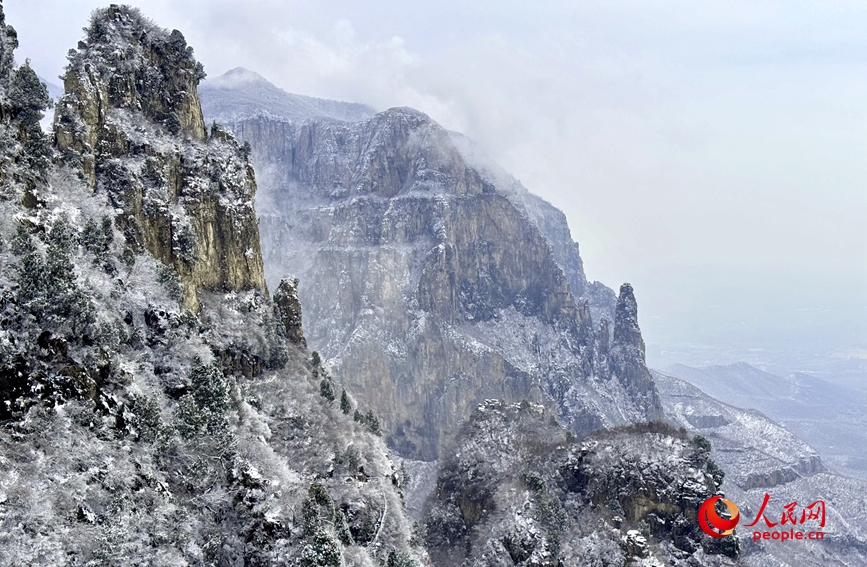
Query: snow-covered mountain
[356, 206]
[160, 405]
[519, 490]
[54, 91]
[828, 416]
[755, 451]
[156, 406]
[432, 281]
[241, 94]
[760, 456]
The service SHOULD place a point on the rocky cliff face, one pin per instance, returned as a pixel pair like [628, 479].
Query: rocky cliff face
[550, 221]
[428, 283]
[132, 122]
[156, 407]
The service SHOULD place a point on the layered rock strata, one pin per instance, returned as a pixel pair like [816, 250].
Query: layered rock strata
[429, 283]
[156, 407]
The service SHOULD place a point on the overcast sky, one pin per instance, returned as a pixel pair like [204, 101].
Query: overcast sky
[712, 154]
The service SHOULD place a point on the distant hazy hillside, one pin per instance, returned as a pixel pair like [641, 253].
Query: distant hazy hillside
[759, 456]
[753, 450]
[242, 94]
[54, 91]
[830, 417]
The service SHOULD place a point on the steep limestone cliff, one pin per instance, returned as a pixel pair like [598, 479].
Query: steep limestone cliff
[431, 284]
[132, 121]
[141, 425]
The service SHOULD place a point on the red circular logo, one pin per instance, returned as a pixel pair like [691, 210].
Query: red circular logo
[712, 523]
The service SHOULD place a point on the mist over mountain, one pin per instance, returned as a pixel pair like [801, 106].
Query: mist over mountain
[160, 405]
[293, 331]
[430, 284]
[54, 91]
[158, 408]
[240, 94]
[756, 454]
[760, 456]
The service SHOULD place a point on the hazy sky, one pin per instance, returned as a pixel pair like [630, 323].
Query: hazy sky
[713, 154]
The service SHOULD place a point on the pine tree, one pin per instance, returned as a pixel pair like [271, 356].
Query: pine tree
[399, 559]
[321, 552]
[345, 404]
[316, 361]
[326, 390]
[203, 410]
[28, 95]
[47, 284]
[372, 422]
[28, 98]
[97, 239]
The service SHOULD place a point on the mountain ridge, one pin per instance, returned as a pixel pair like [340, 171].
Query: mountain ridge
[147, 370]
[439, 267]
[762, 457]
[826, 415]
[158, 408]
[252, 94]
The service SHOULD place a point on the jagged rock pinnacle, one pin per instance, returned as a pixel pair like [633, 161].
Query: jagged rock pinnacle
[289, 310]
[127, 62]
[130, 121]
[430, 283]
[8, 44]
[626, 330]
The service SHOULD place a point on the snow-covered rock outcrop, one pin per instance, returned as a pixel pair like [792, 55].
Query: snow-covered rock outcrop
[519, 490]
[132, 122]
[156, 407]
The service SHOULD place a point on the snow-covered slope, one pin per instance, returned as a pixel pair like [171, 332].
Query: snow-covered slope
[830, 417]
[54, 91]
[149, 415]
[519, 490]
[241, 94]
[754, 451]
[759, 456]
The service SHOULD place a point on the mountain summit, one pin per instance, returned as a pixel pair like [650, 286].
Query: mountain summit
[241, 93]
[431, 283]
